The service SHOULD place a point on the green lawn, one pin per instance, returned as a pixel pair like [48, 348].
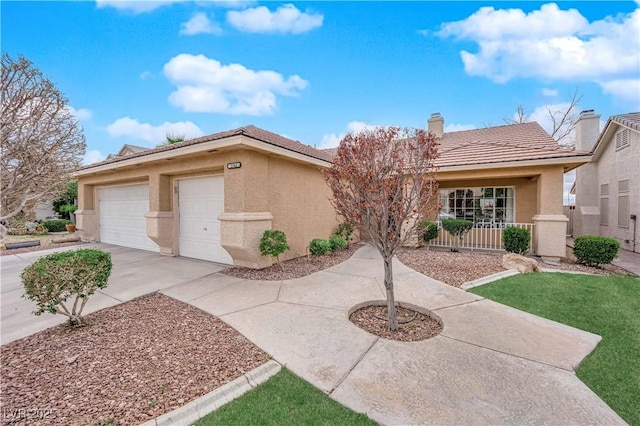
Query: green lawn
[285, 399]
[608, 306]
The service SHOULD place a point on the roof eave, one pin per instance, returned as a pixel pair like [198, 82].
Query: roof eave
[228, 142]
[569, 163]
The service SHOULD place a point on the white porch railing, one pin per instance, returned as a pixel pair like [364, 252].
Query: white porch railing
[481, 237]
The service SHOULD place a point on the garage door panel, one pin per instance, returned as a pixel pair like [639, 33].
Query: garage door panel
[201, 202]
[122, 221]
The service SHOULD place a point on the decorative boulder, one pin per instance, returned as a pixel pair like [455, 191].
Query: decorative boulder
[523, 264]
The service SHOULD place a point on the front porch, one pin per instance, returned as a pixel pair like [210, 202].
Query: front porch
[483, 236]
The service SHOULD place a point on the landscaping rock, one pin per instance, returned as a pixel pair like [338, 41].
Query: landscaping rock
[523, 264]
[66, 239]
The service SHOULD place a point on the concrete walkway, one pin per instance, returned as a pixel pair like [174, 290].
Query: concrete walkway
[629, 261]
[491, 365]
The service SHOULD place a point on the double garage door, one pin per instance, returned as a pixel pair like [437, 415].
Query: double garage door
[201, 201]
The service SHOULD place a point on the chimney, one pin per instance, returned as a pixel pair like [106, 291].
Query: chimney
[587, 130]
[436, 124]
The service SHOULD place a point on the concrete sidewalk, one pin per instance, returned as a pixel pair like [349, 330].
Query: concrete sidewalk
[491, 364]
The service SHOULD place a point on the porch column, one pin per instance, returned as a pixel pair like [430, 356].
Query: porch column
[86, 223]
[159, 218]
[550, 223]
[246, 210]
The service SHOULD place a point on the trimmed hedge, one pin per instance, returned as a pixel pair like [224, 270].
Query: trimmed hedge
[53, 279]
[516, 240]
[319, 247]
[592, 250]
[57, 225]
[428, 230]
[337, 243]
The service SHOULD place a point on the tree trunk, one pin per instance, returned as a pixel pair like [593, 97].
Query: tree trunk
[388, 284]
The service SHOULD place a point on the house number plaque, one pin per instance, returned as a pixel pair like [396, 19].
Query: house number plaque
[235, 165]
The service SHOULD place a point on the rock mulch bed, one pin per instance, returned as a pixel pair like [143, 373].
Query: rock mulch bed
[374, 319]
[294, 268]
[456, 269]
[46, 242]
[451, 268]
[134, 362]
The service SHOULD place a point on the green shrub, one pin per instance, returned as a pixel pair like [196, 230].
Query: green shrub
[457, 228]
[57, 225]
[593, 251]
[428, 230]
[273, 243]
[337, 243]
[53, 279]
[516, 240]
[319, 247]
[345, 230]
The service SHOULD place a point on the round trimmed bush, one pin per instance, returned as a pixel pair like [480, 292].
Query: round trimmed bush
[319, 247]
[428, 230]
[516, 240]
[337, 243]
[592, 250]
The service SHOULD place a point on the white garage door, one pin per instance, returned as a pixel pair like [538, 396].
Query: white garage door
[201, 202]
[122, 221]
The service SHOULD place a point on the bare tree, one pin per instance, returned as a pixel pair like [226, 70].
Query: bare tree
[42, 143]
[563, 120]
[382, 180]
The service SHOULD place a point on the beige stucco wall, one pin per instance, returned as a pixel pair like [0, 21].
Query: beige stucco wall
[539, 191]
[266, 192]
[614, 166]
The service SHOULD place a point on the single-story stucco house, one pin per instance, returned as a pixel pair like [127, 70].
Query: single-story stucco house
[211, 198]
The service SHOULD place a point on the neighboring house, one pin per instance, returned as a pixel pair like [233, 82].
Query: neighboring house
[43, 210]
[128, 149]
[212, 197]
[607, 190]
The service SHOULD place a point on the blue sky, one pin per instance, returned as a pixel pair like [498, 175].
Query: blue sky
[134, 71]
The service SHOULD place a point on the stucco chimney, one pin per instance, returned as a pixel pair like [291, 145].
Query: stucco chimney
[436, 124]
[587, 130]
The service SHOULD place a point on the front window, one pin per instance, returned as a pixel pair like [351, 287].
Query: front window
[485, 206]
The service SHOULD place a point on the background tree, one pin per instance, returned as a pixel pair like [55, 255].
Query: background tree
[171, 139]
[382, 180]
[42, 143]
[562, 119]
[66, 202]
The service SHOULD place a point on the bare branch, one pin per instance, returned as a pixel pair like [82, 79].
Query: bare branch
[41, 142]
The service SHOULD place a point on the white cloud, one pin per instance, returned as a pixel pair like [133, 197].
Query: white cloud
[93, 156]
[549, 92]
[153, 135]
[206, 85]
[146, 75]
[550, 44]
[543, 115]
[285, 19]
[569, 179]
[200, 24]
[625, 89]
[135, 6]
[448, 128]
[332, 140]
[81, 114]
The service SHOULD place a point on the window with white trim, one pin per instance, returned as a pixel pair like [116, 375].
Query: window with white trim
[622, 139]
[484, 206]
[604, 204]
[623, 203]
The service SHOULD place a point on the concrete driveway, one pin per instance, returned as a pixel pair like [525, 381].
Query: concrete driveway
[491, 364]
[135, 273]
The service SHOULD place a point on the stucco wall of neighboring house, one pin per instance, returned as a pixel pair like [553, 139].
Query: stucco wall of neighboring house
[612, 167]
[266, 192]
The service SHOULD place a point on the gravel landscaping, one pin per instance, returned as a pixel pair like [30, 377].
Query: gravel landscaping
[458, 268]
[295, 268]
[132, 363]
[413, 326]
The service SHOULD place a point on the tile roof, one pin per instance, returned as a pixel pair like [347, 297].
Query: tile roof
[631, 120]
[250, 131]
[513, 142]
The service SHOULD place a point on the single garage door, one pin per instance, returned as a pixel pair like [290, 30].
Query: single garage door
[121, 215]
[201, 201]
